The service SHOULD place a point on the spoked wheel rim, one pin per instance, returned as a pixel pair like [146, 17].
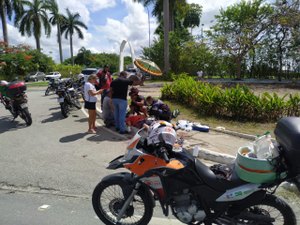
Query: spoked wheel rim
[112, 200]
[273, 213]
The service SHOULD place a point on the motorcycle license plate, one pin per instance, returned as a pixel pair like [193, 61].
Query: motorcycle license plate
[24, 105]
[61, 100]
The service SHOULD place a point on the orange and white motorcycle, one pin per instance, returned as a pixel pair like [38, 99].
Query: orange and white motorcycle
[193, 192]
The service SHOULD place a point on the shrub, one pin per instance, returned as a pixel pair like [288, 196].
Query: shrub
[238, 103]
[67, 70]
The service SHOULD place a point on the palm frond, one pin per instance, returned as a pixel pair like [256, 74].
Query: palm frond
[79, 32]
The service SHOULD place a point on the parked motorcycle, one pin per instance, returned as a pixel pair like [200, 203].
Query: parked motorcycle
[194, 193]
[68, 97]
[52, 86]
[14, 98]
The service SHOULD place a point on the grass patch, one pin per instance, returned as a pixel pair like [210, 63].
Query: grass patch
[243, 127]
[37, 84]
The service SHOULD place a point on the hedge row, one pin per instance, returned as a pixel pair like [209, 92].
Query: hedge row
[238, 103]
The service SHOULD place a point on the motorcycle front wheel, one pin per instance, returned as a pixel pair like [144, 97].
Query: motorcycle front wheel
[271, 211]
[108, 199]
[47, 91]
[76, 103]
[65, 110]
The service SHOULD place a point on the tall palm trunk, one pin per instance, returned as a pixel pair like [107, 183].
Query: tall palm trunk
[37, 42]
[59, 43]
[71, 48]
[166, 36]
[3, 20]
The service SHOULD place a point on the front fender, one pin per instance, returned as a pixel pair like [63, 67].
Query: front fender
[127, 182]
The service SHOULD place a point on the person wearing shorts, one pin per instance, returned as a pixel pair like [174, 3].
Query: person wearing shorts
[90, 93]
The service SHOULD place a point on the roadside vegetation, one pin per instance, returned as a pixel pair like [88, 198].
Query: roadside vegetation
[237, 103]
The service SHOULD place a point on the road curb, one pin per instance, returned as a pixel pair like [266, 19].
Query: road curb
[213, 156]
[233, 133]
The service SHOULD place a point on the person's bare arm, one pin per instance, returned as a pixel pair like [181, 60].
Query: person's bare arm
[93, 93]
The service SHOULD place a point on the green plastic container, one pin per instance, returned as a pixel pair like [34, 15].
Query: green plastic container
[254, 170]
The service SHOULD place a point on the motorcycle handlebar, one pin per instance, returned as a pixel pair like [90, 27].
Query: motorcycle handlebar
[164, 155]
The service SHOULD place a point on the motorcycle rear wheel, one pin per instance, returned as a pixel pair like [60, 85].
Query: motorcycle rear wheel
[26, 116]
[65, 110]
[272, 207]
[108, 199]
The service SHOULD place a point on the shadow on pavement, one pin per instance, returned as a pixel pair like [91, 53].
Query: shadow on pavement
[6, 124]
[101, 135]
[73, 137]
[55, 116]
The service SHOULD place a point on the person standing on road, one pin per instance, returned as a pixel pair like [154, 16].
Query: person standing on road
[90, 101]
[118, 91]
[105, 80]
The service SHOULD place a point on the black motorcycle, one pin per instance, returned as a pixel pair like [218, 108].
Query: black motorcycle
[68, 97]
[195, 193]
[14, 98]
[52, 86]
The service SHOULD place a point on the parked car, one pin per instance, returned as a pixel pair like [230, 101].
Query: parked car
[35, 76]
[53, 75]
[88, 71]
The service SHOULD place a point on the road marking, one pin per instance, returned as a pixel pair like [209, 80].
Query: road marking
[43, 207]
[103, 126]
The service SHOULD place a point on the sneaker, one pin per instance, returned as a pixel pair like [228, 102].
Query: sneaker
[117, 129]
[124, 132]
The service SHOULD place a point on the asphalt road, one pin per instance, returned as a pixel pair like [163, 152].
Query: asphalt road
[56, 164]
[53, 162]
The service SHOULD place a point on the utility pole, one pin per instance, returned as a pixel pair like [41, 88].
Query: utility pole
[148, 25]
[166, 36]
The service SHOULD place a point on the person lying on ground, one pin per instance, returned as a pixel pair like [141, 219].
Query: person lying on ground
[135, 121]
[137, 104]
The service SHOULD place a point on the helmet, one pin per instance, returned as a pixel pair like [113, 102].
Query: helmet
[161, 133]
[3, 83]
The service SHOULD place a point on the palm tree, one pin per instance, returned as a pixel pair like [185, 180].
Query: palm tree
[56, 19]
[71, 25]
[32, 20]
[7, 7]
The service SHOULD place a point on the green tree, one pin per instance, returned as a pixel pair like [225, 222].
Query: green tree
[7, 7]
[33, 19]
[192, 16]
[285, 22]
[56, 19]
[71, 25]
[239, 28]
[84, 57]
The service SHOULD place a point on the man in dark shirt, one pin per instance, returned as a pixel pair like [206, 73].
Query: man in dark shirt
[118, 91]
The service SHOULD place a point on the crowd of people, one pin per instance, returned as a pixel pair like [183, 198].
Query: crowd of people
[114, 104]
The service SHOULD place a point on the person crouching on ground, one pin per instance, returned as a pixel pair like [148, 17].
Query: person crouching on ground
[90, 101]
[158, 109]
[108, 112]
[137, 105]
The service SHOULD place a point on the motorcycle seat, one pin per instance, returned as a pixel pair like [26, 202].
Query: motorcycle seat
[216, 182]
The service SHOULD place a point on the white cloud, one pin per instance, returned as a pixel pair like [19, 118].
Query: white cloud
[133, 27]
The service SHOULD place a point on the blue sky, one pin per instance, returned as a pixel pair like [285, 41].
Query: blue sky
[109, 22]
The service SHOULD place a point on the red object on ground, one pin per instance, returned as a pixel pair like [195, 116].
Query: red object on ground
[135, 120]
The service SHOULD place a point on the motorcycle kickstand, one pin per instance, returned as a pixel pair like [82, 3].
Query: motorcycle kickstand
[127, 202]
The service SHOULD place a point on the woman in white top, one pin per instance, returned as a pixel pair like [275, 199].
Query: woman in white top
[90, 101]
